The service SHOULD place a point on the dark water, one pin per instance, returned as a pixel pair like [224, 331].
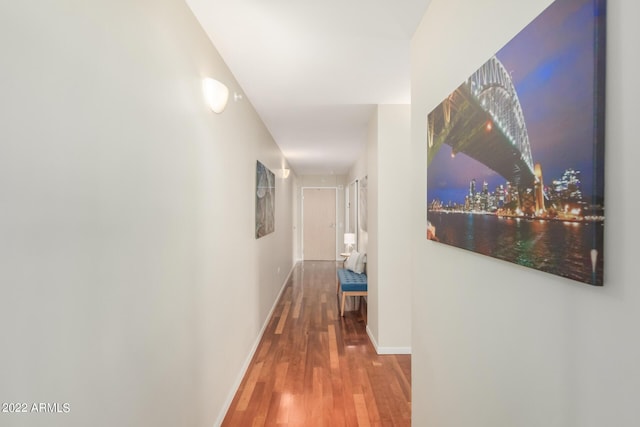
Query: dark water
[556, 247]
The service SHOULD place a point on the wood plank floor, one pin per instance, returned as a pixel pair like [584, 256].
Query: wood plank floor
[315, 368]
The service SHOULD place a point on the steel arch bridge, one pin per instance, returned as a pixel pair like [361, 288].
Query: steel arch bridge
[483, 119]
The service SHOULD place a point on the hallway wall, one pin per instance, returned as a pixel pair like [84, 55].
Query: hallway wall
[133, 287]
[384, 162]
[495, 344]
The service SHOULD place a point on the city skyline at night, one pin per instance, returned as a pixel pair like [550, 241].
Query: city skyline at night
[563, 192]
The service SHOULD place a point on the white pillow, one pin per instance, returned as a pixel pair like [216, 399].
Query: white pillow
[359, 268]
[350, 263]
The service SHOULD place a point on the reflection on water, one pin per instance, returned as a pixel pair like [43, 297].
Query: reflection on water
[562, 248]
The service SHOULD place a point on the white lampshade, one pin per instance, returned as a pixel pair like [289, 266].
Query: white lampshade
[349, 238]
[216, 94]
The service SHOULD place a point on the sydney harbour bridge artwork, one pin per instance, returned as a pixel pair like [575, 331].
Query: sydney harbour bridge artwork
[515, 154]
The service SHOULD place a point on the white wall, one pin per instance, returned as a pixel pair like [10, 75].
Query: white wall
[133, 288]
[394, 218]
[373, 291]
[388, 249]
[499, 345]
[359, 169]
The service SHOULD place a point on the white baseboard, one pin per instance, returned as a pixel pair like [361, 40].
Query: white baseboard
[247, 362]
[386, 350]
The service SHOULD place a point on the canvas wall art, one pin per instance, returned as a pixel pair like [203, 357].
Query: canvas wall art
[515, 154]
[265, 200]
[363, 200]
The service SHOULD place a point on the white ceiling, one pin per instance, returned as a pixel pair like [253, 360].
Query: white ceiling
[314, 69]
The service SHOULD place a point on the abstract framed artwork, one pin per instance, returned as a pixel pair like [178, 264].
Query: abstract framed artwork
[265, 200]
[515, 154]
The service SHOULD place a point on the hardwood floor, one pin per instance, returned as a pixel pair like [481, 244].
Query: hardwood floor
[315, 368]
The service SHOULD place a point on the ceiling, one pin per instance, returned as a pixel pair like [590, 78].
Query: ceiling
[314, 70]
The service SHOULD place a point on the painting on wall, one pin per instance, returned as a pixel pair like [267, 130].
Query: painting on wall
[265, 200]
[515, 154]
[363, 188]
[363, 214]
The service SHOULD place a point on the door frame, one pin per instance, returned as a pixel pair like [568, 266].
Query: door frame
[335, 190]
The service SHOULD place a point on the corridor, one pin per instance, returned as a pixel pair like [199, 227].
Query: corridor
[314, 368]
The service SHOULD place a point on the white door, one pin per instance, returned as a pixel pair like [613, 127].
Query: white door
[319, 223]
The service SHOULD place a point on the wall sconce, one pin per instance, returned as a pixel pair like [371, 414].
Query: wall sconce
[216, 94]
[284, 173]
[349, 241]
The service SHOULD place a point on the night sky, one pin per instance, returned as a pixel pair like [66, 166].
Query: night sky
[551, 63]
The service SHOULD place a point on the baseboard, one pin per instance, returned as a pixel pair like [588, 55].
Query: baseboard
[386, 350]
[252, 352]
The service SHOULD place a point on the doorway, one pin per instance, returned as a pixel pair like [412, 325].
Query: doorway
[319, 224]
